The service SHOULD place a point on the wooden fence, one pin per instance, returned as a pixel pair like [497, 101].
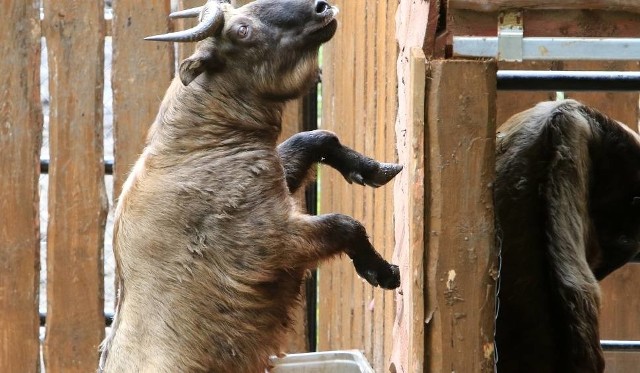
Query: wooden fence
[379, 95]
[359, 104]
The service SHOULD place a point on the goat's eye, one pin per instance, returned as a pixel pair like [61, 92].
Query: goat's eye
[243, 31]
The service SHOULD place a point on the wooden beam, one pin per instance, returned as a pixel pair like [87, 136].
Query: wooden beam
[497, 5]
[415, 31]
[77, 196]
[461, 262]
[549, 23]
[20, 142]
[409, 346]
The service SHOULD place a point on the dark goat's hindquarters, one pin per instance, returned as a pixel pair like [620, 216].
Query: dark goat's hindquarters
[566, 179]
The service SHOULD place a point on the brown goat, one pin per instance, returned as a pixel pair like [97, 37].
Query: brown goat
[566, 194]
[211, 249]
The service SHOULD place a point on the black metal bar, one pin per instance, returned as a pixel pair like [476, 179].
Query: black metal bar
[309, 123]
[108, 318]
[108, 166]
[620, 345]
[529, 80]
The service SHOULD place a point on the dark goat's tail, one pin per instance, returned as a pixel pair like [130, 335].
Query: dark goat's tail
[568, 134]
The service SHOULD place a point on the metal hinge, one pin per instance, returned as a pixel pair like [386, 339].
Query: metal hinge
[510, 35]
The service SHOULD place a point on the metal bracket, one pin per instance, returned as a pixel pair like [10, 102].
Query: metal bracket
[510, 35]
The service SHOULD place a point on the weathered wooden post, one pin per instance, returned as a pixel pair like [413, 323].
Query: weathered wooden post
[445, 238]
[461, 260]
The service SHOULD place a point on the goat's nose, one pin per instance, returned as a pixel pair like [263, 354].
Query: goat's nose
[322, 6]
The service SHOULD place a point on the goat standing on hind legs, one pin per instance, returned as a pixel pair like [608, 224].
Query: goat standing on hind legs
[210, 247]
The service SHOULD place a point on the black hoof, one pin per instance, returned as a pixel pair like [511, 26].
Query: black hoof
[387, 276]
[375, 175]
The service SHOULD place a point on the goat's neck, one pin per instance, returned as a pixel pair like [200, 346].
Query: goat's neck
[195, 117]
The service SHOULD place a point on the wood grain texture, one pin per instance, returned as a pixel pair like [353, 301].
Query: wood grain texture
[416, 24]
[77, 197]
[359, 104]
[619, 305]
[142, 71]
[622, 362]
[549, 23]
[496, 5]
[408, 348]
[461, 257]
[20, 142]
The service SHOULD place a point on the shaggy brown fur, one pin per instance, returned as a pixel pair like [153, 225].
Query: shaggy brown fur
[210, 247]
[567, 187]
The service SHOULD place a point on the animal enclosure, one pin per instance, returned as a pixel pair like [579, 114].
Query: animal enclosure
[377, 95]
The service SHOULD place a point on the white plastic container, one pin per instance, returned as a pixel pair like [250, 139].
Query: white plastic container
[351, 361]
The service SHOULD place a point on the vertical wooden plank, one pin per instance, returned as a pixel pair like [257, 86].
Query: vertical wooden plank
[359, 104]
[408, 353]
[142, 71]
[77, 197]
[346, 112]
[619, 311]
[186, 49]
[371, 100]
[621, 362]
[391, 112]
[326, 298]
[357, 142]
[415, 26]
[461, 259]
[20, 142]
[377, 357]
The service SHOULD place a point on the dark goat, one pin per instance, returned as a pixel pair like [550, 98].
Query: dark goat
[566, 193]
[210, 247]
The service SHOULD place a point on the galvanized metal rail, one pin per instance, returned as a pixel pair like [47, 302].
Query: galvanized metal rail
[547, 48]
[609, 345]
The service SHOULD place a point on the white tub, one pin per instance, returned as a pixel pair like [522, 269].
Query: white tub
[351, 361]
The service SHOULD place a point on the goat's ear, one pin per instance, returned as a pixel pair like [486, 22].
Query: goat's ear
[196, 64]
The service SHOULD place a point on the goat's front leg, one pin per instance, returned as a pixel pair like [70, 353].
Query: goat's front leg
[301, 151]
[332, 234]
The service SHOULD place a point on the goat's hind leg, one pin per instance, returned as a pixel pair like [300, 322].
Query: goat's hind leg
[332, 234]
[301, 151]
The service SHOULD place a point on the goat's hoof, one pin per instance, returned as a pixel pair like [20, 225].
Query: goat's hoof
[375, 175]
[391, 279]
[387, 276]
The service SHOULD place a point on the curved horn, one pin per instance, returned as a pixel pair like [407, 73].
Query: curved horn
[187, 13]
[211, 19]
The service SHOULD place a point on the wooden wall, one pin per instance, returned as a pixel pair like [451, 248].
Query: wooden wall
[619, 308]
[359, 104]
